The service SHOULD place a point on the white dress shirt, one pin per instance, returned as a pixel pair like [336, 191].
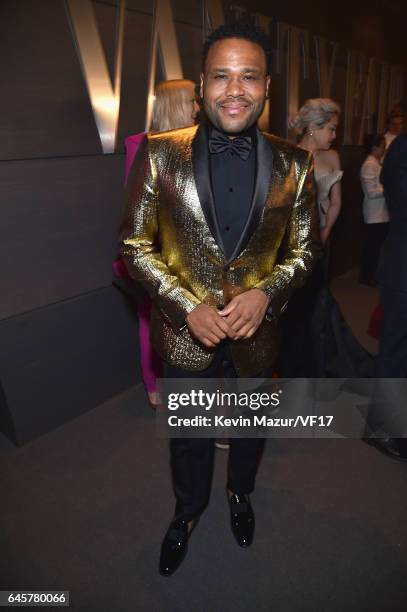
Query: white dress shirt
[374, 204]
[389, 137]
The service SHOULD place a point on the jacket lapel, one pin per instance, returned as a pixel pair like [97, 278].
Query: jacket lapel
[200, 164]
[264, 163]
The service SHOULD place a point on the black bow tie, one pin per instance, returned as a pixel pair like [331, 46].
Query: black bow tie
[241, 145]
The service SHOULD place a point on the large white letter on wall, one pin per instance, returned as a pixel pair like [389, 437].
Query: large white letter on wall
[104, 95]
[295, 43]
[382, 102]
[369, 103]
[264, 22]
[395, 87]
[213, 16]
[164, 40]
[369, 95]
[325, 72]
[356, 82]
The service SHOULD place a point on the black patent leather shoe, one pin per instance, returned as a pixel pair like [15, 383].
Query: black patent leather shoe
[174, 547]
[395, 448]
[241, 519]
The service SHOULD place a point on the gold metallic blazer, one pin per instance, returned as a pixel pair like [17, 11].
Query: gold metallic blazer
[171, 241]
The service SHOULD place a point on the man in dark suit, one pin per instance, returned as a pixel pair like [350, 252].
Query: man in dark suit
[221, 225]
[392, 277]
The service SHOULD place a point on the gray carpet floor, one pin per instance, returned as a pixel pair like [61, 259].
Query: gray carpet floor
[84, 508]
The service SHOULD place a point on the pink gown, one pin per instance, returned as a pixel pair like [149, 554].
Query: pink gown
[151, 365]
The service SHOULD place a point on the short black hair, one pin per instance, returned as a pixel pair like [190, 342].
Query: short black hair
[395, 114]
[373, 140]
[238, 29]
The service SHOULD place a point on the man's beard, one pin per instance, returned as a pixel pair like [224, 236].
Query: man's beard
[222, 124]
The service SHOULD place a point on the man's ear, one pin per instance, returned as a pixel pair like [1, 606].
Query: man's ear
[268, 85]
[201, 88]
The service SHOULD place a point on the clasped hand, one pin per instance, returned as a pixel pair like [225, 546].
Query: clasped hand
[239, 320]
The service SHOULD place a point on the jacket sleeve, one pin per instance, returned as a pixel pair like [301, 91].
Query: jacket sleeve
[139, 241]
[394, 177]
[369, 176]
[302, 247]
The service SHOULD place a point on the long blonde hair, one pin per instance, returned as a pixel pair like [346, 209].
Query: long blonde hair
[172, 99]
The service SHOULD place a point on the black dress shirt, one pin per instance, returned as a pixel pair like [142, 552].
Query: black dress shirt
[233, 181]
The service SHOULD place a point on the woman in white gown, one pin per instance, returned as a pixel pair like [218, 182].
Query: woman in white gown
[316, 340]
[316, 124]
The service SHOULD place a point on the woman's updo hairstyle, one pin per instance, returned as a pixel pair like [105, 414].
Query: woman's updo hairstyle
[316, 111]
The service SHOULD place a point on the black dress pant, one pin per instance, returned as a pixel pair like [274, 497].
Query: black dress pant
[392, 357]
[192, 458]
[375, 235]
[387, 411]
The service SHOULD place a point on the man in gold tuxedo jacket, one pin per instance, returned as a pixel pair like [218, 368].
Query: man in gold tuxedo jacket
[216, 299]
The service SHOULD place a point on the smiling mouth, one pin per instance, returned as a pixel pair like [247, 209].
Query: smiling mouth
[233, 109]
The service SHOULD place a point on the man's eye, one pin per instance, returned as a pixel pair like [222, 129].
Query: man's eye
[220, 76]
[249, 77]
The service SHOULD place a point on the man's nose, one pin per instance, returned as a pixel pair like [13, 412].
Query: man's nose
[234, 88]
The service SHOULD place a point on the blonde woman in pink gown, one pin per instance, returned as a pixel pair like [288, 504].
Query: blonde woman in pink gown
[175, 107]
